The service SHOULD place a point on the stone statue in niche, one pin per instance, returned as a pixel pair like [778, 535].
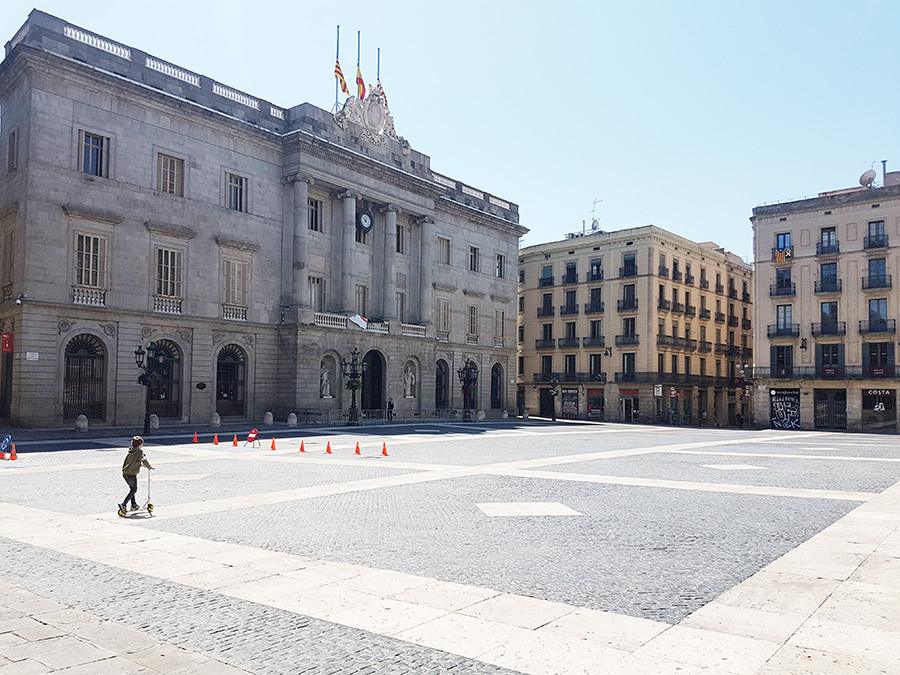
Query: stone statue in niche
[409, 382]
[324, 382]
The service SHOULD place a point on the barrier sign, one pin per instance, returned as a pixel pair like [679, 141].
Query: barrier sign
[5, 443]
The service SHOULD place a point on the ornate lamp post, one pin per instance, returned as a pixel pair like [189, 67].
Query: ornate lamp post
[554, 392]
[353, 370]
[468, 378]
[149, 376]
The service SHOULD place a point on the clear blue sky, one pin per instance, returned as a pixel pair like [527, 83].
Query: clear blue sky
[684, 115]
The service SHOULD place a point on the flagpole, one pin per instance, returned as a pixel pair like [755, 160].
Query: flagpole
[378, 76]
[357, 49]
[337, 58]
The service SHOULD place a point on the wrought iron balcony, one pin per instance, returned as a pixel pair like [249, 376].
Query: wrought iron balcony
[829, 328]
[627, 304]
[720, 289]
[704, 284]
[663, 305]
[721, 348]
[625, 340]
[875, 241]
[828, 248]
[546, 311]
[628, 271]
[569, 278]
[732, 293]
[732, 321]
[876, 371]
[878, 326]
[704, 313]
[783, 330]
[665, 341]
[568, 343]
[704, 346]
[677, 275]
[877, 281]
[568, 309]
[677, 308]
[593, 307]
[689, 279]
[690, 310]
[598, 341]
[627, 376]
[776, 290]
[544, 282]
[828, 285]
[541, 343]
[746, 324]
[663, 271]
[720, 317]
[829, 372]
[745, 297]
[595, 276]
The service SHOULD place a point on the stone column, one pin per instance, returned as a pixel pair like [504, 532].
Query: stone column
[426, 268]
[390, 239]
[298, 244]
[348, 200]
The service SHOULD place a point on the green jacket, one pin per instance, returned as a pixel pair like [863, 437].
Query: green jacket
[133, 461]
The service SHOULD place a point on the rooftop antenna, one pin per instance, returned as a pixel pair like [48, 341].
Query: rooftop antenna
[595, 223]
[868, 178]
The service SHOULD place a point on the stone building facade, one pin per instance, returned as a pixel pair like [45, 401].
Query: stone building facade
[826, 310]
[634, 325]
[143, 203]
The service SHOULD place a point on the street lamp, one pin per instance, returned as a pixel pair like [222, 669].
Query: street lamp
[353, 370]
[468, 378]
[149, 362]
[554, 392]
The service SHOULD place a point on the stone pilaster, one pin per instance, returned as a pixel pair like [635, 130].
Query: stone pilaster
[389, 310]
[426, 262]
[298, 245]
[348, 203]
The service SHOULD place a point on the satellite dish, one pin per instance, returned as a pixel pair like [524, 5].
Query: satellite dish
[868, 178]
[595, 225]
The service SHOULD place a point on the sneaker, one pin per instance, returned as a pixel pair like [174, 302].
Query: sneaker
[122, 507]
[135, 507]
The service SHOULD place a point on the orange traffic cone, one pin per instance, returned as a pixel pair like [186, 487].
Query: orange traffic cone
[2, 454]
[234, 441]
[384, 449]
[328, 448]
[356, 452]
[272, 447]
[302, 449]
[215, 439]
[196, 440]
[12, 455]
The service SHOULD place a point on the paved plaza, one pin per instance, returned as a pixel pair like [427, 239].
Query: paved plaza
[471, 548]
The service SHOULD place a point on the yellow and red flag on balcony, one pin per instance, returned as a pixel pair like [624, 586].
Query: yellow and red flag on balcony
[339, 74]
[360, 85]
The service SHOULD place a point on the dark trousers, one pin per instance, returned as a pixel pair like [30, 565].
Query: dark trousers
[132, 489]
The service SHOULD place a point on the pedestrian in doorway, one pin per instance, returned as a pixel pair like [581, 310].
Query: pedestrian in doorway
[390, 410]
[131, 467]
[740, 420]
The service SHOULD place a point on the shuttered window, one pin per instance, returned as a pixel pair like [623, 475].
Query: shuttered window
[235, 282]
[90, 261]
[168, 272]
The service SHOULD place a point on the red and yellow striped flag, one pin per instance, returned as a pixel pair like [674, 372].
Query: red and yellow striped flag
[339, 74]
[360, 85]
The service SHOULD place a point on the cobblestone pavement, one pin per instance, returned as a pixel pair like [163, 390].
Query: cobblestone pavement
[384, 565]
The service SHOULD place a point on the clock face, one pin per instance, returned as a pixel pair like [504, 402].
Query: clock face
[365, 221]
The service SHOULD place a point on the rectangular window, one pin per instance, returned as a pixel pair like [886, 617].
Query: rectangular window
[596, 330]
[521, 303]
[877, 268]
[315, 215]
[784, 315]
[878, 310]
[12, 150]
[472, 324]
[235, 282]
[316, 293]
[474, 261]
[828, 312]
[521, 333]
[94, 155]
[168, 272]
[702, 367]
[830, 355]
[401, 306]
[828, 273]
[783, 277]
[443, 250]
[570, 364]
[237, 192]
[876, 229]
[687, 365]
[499, 324]
[443, 315]
[90, 261]
[878, 354]
[362, 299]
[783, 363]
[674, 364]
[596, 269]
[401, 239]
[547, 331]
[521, 365]
[660, 364]
[628, 326]
[170, 176]
[500, 268]
[362, 237]
[595, 364]
[628, 362]
[547, 303]
[628, 293]
[521, 276]
[783, 240]
[828, 236]
[546, 365]
[570, 330]
[629, 265]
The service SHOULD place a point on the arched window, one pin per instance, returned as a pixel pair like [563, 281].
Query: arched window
[442, 385]
[165, 396]
[84, 381]
[497, 386]
[231, 384]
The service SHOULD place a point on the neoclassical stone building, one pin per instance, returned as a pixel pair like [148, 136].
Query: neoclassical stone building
[143, 203]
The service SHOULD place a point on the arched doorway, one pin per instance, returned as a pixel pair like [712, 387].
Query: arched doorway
[84, 383]
[497, 386]
[231, 385]
[442, 385]
[165, 397]
[373, 381]
[470, 391]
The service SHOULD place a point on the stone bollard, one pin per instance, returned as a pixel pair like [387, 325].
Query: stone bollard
[480, 416]
[268, 418]
[216, 421]
[525, 414]
[81, 423]
[154, 422]
[504, 414]
[292, 420]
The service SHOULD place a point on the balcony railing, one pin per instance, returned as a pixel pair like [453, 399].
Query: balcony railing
[598, 341]
[582, 378]
[471, 339]
[690, 310]
[665, 341]
[544, 282]
[878, 326]
[498, 342]
[628, 271]
[828, 285]
[540, 343]
[166, 305]
[593, 307]
[732, 293]
[704, 346]
[381, 327]
[783, 330]
[625, 340]
[720, 317]
[569, 278]
[674, 378]
[663, 271]
[546, 311]
[704, 284]
[733, 321]
[568, 343]
[412, 330]
[677, 275]
[704, 313]
[746, 324]
[677, 308]
[828, 248]
[595, 276]
[627, 304]
[875, 241]
[720, 289]
[745, 297]
[442, 336]
[329, 320]
[95, 297]
[568, 309]
[827, 372]
[721, 348]
[877, 281]
[829, 328]
[689, 279]
[663, 305]
[776, 290]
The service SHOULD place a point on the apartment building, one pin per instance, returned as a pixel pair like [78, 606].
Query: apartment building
[826, 309]
[254, 246]
[634, 325]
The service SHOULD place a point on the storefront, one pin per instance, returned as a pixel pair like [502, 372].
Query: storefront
[569, 403]
[784, 408]
[596, 406]
[830, 408]
[629, 405]
[879, 410]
